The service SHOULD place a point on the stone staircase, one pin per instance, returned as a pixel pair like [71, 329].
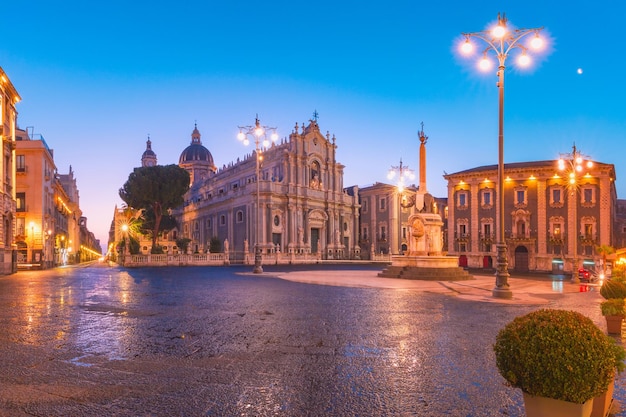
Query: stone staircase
[425, 273]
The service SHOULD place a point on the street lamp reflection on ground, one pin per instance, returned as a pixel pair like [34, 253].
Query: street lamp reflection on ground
[258, 134]
[125, 230]
[501, 40]
[575, 166]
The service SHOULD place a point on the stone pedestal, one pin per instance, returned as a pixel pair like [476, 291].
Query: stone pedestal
[425, 259]
[425, 234]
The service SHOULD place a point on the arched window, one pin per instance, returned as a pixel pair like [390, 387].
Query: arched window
[315, 181]
[315, 170]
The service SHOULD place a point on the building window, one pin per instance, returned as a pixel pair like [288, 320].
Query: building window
[383, 233]
[222, 220]
[208, 223]
[403, 232]
[487, 198]
[276, 220]
[20, 199]
[364, 205]
[462, 230]
[20, 163]
[20, 224]
[239, 216]
[588, 196]
[520, 197]
[364, 233]
[487, 230]
[556, 195]
[461, 201]
[381, 203]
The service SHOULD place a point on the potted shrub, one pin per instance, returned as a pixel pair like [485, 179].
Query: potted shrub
[614, 312]
[613, 288]
[559, 359]
[614, 291]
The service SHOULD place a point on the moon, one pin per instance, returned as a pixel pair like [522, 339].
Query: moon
[579, 71]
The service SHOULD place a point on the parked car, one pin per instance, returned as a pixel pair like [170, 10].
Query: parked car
[587, 275]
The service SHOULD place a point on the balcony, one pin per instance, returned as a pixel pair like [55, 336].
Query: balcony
[556, 240]
[487, 238]
[587, 239]
[522, 238]
[462, 237]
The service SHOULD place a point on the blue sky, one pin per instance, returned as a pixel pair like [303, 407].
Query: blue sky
[96, 78]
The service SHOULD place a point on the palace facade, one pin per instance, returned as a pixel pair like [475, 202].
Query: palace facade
[293, 203]
[385, 213]
[8, 123]
[551, 224]
[50, 229]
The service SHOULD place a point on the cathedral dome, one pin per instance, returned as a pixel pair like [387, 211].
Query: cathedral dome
[196, 152]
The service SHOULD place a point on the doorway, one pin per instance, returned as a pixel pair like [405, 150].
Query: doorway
[315, 237]
[521, 259]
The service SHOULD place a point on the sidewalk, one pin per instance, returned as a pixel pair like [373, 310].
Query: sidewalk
[528, 291]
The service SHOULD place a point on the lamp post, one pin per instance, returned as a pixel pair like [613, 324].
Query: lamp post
[32, 242]
[575, 166]
[402, 173]
[258, 134]
[501, 40]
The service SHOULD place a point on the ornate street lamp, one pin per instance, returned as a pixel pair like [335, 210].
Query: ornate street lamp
[575, 165]
[258, 134]
[403, 173]
[501, 40]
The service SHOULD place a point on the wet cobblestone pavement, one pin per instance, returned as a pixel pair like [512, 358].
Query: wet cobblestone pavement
[105, 341]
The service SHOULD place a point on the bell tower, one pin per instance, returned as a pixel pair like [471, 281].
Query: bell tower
[148, 158]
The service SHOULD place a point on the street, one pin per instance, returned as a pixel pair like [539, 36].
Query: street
[219, 341]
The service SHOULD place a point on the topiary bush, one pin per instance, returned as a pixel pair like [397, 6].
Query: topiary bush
[557, 354]
[613, 307]
[619, 272]
[613, 289]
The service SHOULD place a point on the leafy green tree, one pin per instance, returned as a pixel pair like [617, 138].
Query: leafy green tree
[183, 244]
[157, 188]
[215, 246]
[168, 222]
[604, 251]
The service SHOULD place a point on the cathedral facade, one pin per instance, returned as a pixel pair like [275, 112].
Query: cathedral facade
[289, 202]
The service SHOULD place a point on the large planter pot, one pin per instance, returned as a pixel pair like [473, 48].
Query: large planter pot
[602, 403]
[614, 324]
[548, 407]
